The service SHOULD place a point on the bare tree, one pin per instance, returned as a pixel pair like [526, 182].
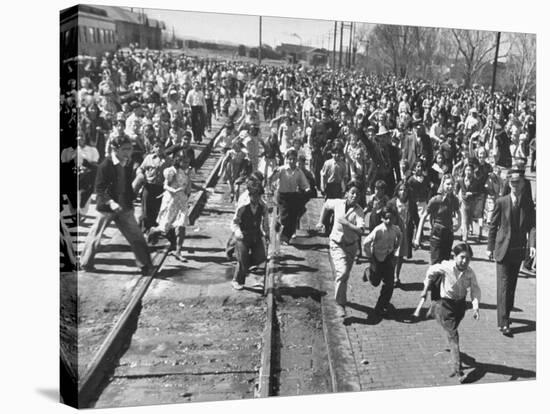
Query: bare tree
[426, 46]
[394, 46]
[475, 47]
[362, 33]
[522, 62]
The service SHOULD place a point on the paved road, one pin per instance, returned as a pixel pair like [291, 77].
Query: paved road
[399, 352]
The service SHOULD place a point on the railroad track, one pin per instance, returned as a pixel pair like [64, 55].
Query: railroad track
[110, 347]
[105, 366]
[196, 343]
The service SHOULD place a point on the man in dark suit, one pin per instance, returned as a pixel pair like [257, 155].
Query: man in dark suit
[115, 197]
[322, 132]
[512, 221]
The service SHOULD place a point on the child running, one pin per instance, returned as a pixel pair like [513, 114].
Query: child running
[173, 214]
[232, 165]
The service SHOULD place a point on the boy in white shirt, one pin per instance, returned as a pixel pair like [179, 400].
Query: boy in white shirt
[455, 278]
[381, 245]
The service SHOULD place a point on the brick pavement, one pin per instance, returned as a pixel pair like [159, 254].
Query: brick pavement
[399, 352]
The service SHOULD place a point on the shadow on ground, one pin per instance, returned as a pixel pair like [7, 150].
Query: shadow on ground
[481, 369]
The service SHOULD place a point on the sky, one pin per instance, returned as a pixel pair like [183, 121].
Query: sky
[243, 29]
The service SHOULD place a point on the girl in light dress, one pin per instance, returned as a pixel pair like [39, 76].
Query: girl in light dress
[233, 164]
[405, 212]
[173, 213]
[419, 184]
[286, 134]
[468, 189]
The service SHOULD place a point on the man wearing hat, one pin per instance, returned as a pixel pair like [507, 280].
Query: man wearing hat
[512, 221]
[385, 160]
[114, 200]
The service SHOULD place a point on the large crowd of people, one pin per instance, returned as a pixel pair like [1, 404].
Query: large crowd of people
[386, 153]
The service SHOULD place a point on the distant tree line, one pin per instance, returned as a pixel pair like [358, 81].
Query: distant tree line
[195, 44]
[241, 50]
[465, 56]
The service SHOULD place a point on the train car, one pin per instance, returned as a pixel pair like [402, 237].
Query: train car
[86, 30]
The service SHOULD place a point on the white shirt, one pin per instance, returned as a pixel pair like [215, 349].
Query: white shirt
[455, 283]
[341, 234]
[87, 153]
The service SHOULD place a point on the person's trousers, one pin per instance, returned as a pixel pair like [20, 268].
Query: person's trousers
[196, 122]
[150, 205]
[466, 209]
[290, 205]
[342, 257]
[317, 161]
[441, 243]
[86, 182]
[385, 271]
[507, 278]
[248, 253]
[449, 314]
[332, 191]
[128, 226]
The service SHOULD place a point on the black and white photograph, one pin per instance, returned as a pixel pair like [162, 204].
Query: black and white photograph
[267, 201]
[256, 206]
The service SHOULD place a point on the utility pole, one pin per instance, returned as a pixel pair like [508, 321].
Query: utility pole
[367, 57]
[334, 48]
[349, 49]
[495, 62]
[260, 47]
[341, 45]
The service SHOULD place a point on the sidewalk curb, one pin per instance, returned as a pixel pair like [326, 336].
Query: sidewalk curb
[265, 383]
[343, 367]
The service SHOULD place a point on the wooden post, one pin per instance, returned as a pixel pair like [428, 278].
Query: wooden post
[495, 62]
[349, 50]
[334, 47]
[260, 47]
[341, 45]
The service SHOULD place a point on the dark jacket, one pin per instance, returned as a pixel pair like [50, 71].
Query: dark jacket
[321, 132]
[414, 219]
[503, 157]
[500, 228]
[108, 187]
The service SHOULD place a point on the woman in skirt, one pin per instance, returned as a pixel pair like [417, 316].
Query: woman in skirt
[468, 189]
[419, 185]
[406, 218]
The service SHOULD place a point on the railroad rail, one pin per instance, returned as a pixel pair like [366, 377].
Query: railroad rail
[106, 359]
[103, 359]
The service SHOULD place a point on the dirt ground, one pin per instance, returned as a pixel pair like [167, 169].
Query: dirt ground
[303, 353]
